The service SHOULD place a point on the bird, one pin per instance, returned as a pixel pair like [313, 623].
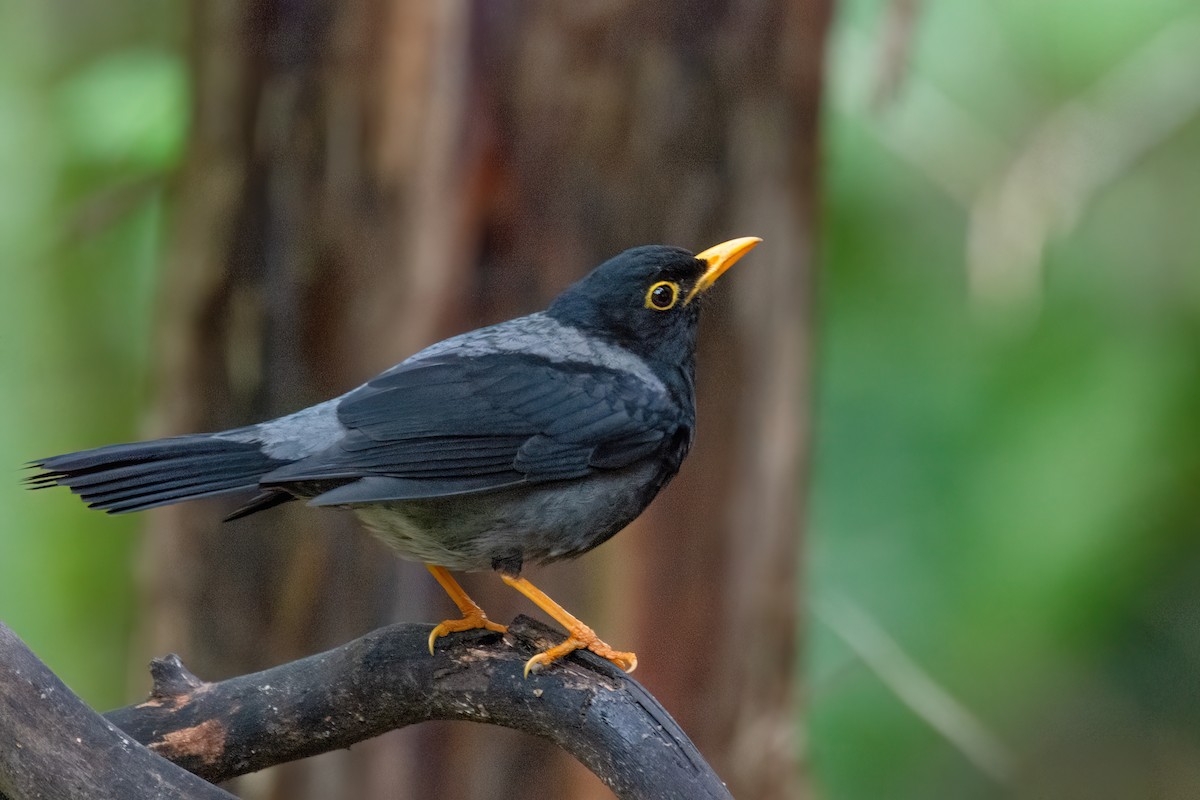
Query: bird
[525, 442]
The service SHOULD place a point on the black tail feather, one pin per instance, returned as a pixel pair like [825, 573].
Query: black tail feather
[133, 477]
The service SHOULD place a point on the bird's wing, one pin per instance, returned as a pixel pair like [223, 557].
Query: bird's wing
[453, 425]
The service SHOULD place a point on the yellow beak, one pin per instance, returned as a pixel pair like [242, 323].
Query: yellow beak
[719, 259]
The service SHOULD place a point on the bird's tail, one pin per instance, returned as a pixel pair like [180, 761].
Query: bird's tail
[133, 477]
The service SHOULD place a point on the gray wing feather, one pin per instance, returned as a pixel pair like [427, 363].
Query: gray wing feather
[450, 425]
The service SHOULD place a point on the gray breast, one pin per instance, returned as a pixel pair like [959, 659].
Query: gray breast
[539, 523]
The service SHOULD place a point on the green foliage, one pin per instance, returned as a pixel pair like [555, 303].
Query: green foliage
[125, 110]
[84, 157]
[1006, 482]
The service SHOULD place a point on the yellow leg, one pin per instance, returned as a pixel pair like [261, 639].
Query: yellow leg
[472, 615]
[581, 636]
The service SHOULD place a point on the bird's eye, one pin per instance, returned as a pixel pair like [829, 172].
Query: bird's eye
[662, 296]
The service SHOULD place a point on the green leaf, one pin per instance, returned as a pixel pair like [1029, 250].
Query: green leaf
[127, 109]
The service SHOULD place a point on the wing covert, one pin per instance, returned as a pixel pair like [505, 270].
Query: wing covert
[452, 425]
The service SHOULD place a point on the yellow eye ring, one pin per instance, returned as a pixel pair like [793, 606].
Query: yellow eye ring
[662, 296]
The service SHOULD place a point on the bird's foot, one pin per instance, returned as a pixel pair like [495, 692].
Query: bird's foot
[469, 622]
[580, 635]
[472, 615]
[581, 638]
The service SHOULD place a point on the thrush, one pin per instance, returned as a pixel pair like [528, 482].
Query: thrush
[530, 441]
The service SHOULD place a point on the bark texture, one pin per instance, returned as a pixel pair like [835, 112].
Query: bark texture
[386, 680]
[366, 178]
[53, 746]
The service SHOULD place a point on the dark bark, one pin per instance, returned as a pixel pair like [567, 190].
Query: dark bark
[377, 683]
[52, 746]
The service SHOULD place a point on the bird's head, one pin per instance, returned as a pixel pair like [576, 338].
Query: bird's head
[647, 298]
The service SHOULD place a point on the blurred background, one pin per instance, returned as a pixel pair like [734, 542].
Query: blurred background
[938, 537]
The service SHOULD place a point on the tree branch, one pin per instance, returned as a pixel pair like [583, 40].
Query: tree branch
[53, 746]
[387, 680]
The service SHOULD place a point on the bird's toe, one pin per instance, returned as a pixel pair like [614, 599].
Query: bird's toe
[583, 639]
[468, 622]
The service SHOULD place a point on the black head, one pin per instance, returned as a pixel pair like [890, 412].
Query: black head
[646, 299]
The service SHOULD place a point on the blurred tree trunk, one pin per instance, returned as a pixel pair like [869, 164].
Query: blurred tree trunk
[366, 178]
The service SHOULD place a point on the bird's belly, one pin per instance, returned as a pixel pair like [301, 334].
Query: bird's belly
[539, 523]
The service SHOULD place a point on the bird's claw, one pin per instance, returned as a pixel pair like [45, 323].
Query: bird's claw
[581, 640]
[469, 622]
